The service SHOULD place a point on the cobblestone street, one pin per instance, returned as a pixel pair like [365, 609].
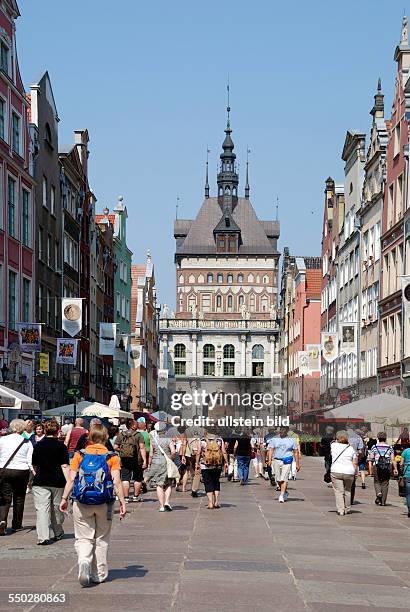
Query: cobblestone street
[253, 553]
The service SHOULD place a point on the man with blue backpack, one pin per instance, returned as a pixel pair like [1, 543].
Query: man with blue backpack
[93, 482]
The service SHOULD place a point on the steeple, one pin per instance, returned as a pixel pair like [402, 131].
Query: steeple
[403, 49]
[206, 177]
[378, 107]
[247, 189]
[228, 178]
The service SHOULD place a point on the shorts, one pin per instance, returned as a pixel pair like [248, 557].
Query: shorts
[130, 470]
[210, 478]
[281, 470]
[362, 465]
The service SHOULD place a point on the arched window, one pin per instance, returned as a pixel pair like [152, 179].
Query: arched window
[180, 351]
[252, 302]
[227, 190]
[230, 301]
[234, 192]
[218, 301]
[265, 279]
[264, 303]
[230, 279]
[240, 278]
[209, 360]
[251, 278]
[241, 300]
[258, 351]
[257, 360]
[220, 278]
[210, 278]
[181, 279]
[221, 191]
[201, 278]
[209, 351]
[229, 351]
[229, 360]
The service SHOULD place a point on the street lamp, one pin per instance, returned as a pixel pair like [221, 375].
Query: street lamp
[334, 392]
[75, 380]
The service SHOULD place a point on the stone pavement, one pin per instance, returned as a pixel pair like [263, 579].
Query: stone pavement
[252, 554]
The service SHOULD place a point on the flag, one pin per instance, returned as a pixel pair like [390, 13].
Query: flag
[348, 338]
[72, 314]
[44, 366]
[67, 351]
[107, 338]
[29, 337]
[330, 346]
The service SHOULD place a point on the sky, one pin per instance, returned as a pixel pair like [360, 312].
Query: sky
[148, 81]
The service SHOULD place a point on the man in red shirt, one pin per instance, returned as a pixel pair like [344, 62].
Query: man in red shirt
[74, 435]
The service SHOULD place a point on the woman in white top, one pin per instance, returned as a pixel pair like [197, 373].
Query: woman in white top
[14, 478]
[343, 471]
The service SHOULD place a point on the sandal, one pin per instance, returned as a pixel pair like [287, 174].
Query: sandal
[210, 507]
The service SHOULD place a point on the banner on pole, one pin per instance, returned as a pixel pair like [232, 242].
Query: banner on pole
[121, 347]
[134, 355]
[72, 315]
[29, 337]
[348, 338]
[67, 351]
[303, 363]
[107, 338]
[162, 379]
[330, 346]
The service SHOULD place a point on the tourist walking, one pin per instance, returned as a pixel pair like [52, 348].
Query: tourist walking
[243, 452]
[282, 450]
[50, 464]
[162, 449]
[16, 464]
[39, 433]
[325, 450]
[73, 436]
[405, 470]
[94, 473]
[130, 445]
[209, 458]
[343, 471]
[381, 464]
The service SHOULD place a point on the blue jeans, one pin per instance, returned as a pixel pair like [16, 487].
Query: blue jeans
[407, 481]
[243, 467]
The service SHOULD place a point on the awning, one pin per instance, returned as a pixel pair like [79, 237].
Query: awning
[382, 408]
[85, 408]
[14, 400]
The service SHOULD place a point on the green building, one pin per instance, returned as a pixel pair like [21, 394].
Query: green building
[122, 294]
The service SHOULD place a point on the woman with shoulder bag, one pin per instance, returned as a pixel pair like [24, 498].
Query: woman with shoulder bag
[343, 471]
[16, 454]
[162, 470]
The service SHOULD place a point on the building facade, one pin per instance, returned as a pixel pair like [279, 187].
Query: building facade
[392, 239]
[370, 215]
[17, 216]
[224, 336]
[48, 217]
[144, 336]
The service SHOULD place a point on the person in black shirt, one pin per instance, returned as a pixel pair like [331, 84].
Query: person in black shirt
[83, 440]
[50, 462]
[243, 451]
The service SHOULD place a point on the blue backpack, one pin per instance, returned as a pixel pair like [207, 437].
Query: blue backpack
[93, 484]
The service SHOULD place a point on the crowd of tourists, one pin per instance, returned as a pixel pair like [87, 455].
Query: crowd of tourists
[352, 455]
[86, 469]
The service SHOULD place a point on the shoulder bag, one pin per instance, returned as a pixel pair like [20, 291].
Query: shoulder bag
[10, 459]
[172, 470]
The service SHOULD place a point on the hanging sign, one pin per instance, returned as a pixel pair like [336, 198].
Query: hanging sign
[67, 351]
[72, 315]
[348, 338]
[29, 336]
[330, 346]
[107, 338]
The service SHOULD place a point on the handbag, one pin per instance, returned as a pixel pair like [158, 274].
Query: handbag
[10, 459]
[402, 486]
[172, 470]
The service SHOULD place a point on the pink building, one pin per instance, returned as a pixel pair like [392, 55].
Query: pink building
[16, 206]
[304, 330]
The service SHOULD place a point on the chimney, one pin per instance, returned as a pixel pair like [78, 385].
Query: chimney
[81, 141]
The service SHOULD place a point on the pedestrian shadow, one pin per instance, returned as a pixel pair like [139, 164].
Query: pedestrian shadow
[131, 571]
[351, 512]
[179, 508]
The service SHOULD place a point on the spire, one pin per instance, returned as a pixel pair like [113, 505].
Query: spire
[228, 179]
[247, 174]
[404, 40]
[206, 177]
[378, 107]
[277, 208]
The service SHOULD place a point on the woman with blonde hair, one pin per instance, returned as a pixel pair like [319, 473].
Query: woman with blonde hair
[15, 465]
[343, 471]
[94, 473]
